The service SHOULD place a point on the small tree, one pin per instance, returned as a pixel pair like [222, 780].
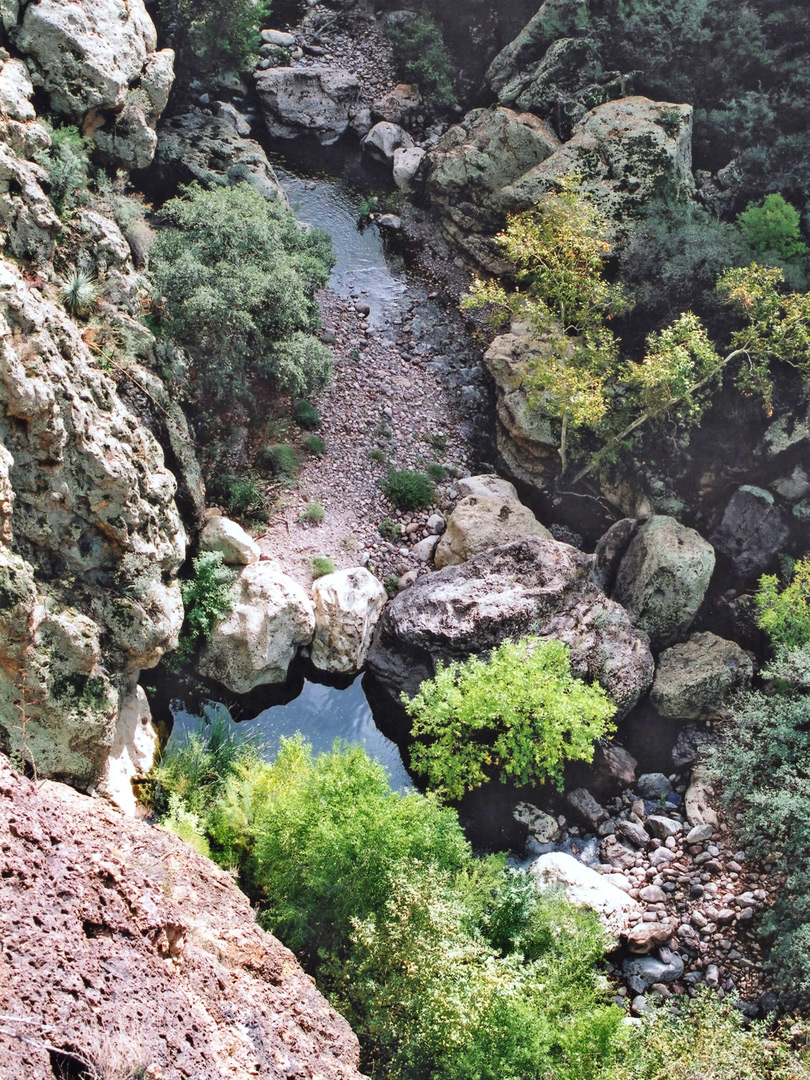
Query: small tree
[520, 715]
[773, 228]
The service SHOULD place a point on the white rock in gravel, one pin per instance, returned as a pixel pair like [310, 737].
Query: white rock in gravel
[254, 644]
[238, 547]
[584, 887]
[347, 605]
[132, 751]
[406, 166]
[426, 549]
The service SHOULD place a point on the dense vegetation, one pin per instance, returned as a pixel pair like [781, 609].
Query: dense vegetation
[520, 715]
[447, 965]
[209, 37]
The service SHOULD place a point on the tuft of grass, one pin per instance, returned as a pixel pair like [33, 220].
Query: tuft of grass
[322, 565]
[281, 459]
[312, 514]
[307, 416]
[377, 455]
[436, 472]
[314, 444]
[392, 583]
[408, 489]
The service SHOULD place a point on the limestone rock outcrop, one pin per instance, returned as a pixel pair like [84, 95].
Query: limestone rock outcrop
[317, 100]
[480, 522]
[663, 578]
[532, 586]
[695, 679]
[255, 643]
[98, 62]
[584, 887]
[384, 139]
[89, 549]
[122, 945]
[348, 605]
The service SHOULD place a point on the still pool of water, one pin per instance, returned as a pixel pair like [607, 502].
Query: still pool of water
[321, 714]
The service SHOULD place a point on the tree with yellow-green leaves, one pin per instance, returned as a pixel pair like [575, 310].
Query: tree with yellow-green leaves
[559, 250]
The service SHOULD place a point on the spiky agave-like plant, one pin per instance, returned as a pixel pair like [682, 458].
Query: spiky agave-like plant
[78, 292]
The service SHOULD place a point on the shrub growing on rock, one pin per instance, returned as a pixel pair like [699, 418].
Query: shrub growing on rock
[209, 36]
[207, 597]
[236, 277]
[67, 162]
[520, 715]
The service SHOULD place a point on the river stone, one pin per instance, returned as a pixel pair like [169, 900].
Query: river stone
[385, 139]
[347, 606]
[663, 578]
[277, 37]
[586, 808]
[585, 887]
[540, 825]
[318, 100]
[254, 644]
[752, 530]
[653, 785]
[694, 680]
[532, 586]
[663, 827]
[407, 163]
[132, 752]
[481, 522]
[642, 973]
[698, 799]
[238, 547]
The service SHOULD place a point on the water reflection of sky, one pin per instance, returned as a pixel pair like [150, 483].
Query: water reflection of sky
[322, 714]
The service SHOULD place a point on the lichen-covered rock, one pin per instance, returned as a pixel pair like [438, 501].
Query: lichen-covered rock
[402, 105]
[471, 165]
[526, 442]
[348, 605]
[694, 680]
[586, 888]
[92, 545]
[481, 522]
[318, 100]
[237, 547]
[752, 530]
[627, 153]
[128, 949]
[254, 645]
[98, 63]
[197, 146]
[663, 578]
[532, 586]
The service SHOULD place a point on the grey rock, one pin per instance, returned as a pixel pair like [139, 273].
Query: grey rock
[436, 524]
[385, 139]
[610, 551]
[481, 522]
[663, 827]
[644, 971]
[653, 786]
[318, 100]
[695, 679]
[663, 578]
[529, 586]
[586, 808]
[699, 834]
[238, 548]
[540, 825]
[347, 605]
[752, 530]
[636, 834]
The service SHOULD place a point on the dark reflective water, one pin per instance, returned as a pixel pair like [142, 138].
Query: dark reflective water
[321, 714]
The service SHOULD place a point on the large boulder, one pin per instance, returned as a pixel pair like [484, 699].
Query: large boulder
[407, 163]
[481, 522]
[552, 19]
[663, 578]
[471, 165]
[138, 956]
[348, 605]
[317, 100]
[627, 153]
[270, 618]
[384, 139]
[197, 146]
[695, 679]
[532, 586]
[98, 62]
[526, 441]
[90, 545]
[752, 530]
[585, 887]
[237, 547]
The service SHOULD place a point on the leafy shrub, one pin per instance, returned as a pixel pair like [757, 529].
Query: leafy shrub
[237, 278]
[389, 530]
[312, 514]
[436, 472]
[377, 455]
[520, 715]
[392, 583]
[773, 227]
[407, 489]
[322, 565]
[78, 292]
[281, 459]
[421, 57]
[207, 597]
[307, 416]
[314, 444]
[762, 763]
[67, 162]
[242, 495]
[208, 36]
[785, 615]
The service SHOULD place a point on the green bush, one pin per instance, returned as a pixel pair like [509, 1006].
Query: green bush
[242, 495]
[281, 459]
[784, 614]
[312, 514]
[207, 598]
[436, 472]
[389, 529]
[521, 715]
[774, 227]
[307, 416]
[236, 277]
[208, 36]
[322, 565]
[67, 162]
[408, 490]
[314, 444]
[421, 57]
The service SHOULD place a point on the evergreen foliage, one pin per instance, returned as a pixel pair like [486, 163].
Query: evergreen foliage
[408, 489]
[521, 715]
[210, 37]
[421, 57]
[207, 597]
[67, 162]
[237, 276]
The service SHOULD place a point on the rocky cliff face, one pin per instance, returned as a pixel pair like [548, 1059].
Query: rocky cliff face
[147, 956]
[90, 536]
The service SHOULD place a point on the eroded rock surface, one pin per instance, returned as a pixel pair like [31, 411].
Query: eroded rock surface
[481, 522]
[694, 680]
[348, 605]
[532, 586]
[317, 100]
[123, 945]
